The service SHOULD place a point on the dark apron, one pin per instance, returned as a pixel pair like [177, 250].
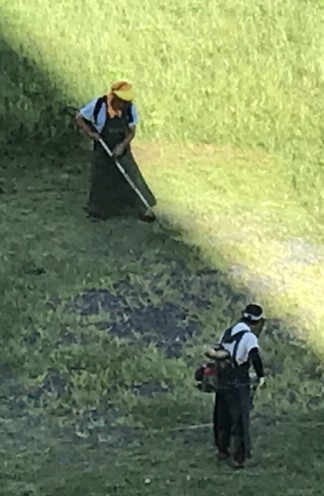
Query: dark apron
[232, 416]
[110, 193]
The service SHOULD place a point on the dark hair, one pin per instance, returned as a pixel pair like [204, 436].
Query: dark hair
[250, 311]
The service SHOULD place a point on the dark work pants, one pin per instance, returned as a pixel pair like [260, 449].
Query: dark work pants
[231, 422]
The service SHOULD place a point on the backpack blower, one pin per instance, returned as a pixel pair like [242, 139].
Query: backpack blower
[207, 375]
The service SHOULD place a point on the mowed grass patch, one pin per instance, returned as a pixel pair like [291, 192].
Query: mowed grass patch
[181, 462]
[104, 325]
[94, 310]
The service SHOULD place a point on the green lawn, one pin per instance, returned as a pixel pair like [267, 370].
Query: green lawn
[86, 399]
[180, 463]
[103, 325]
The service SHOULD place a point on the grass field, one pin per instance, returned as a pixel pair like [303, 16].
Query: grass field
[102, 326]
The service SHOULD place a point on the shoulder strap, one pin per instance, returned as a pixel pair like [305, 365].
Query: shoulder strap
[102, 100]
[228, 338]
[238, 337]
[129, 112]
[99, 103]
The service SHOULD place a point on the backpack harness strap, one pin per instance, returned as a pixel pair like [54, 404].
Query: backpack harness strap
[102, 100]
[228, 339]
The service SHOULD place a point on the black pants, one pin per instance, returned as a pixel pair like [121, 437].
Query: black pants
[231, 422]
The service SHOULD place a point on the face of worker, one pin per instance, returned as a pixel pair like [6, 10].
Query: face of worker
[119, 104]
[258, 327]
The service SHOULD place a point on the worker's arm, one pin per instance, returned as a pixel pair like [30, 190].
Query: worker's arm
[130, 136]
[84, 117]
[256, 361]
[121, 147]
[134, 120]
[86, 128]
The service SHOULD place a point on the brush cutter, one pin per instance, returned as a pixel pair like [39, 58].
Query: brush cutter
[126, 176]
[71, 111]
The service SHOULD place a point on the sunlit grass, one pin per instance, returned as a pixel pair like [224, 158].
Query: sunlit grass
[244, 73]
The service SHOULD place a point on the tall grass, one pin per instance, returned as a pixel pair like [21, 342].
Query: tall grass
[249, 74]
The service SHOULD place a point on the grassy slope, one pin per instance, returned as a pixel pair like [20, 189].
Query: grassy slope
[239, 211]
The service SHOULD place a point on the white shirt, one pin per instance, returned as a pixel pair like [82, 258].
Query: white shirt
[87, 113]
[247, 343]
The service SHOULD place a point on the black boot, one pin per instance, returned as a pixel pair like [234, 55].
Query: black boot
[222, 444]
[147, 216]
[238, 455]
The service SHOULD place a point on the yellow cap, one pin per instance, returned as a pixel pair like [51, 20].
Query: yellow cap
[123, 90]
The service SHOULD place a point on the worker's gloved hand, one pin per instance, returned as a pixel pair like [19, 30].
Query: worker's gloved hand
[261, 382]
[94, 136]
[119, 150]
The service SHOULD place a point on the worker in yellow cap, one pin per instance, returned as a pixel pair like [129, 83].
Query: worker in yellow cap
[114, 117]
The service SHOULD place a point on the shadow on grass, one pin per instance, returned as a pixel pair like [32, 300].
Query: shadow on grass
[32, 110]
[150, 462]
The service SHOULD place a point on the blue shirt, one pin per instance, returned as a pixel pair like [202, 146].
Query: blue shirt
[87, 113]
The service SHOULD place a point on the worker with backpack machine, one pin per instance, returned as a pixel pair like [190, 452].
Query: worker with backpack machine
[228, 376]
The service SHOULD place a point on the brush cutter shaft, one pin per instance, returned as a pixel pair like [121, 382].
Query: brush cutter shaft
[122, 170]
